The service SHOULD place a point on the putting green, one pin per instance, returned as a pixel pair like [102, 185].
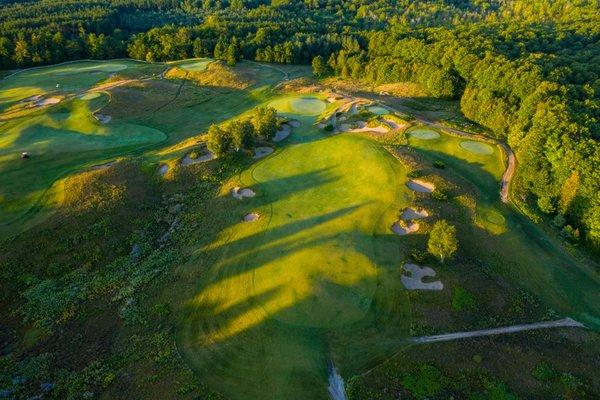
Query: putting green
[196, 66]
[300, 105]
[378, 110]
[424, 134]
[320, 261]
[476, 147]
[77, 69]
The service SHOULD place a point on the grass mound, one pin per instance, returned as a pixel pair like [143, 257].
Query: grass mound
[477, 147]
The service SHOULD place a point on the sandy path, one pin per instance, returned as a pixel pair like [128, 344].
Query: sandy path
[566, 322]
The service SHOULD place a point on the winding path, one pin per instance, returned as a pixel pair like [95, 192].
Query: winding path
[561, 323]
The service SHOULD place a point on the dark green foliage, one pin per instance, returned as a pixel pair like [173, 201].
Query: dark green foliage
[440, 194]
[264, 120]
[463, 300]
[427, 382]
[544, 372]
[328, 128]
[219, 141]
[320, 68]
[439, 164]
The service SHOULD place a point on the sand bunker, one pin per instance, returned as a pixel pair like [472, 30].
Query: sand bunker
[103, 166]
[307, 106]
[376, 129]
[414, 282]
[43, 102]
[420, 186]
[102, 118]
[424, 134]
[90, 96]
[405, 228]
[251, 217]
[378, 110]
[411, 213]
[203, 158]
[241, 193]
[283, 132]
[476, 147]
[163, 169]
[294, 123]
[261, 152]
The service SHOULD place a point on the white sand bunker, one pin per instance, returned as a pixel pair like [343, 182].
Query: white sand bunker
[163, 169]
[414, 282]
[411, 213]
[476, 147]
[241, 193]
[295, 123]
[102, 118]
[283, 132]
[420, 186]
[405, 227]
[43, 102]
[187, 160]
[251, 217]
[261, 152]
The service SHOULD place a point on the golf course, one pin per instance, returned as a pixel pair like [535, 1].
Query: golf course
[303, 264]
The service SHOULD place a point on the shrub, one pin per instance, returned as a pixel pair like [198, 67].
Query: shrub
[544, 372]
[264, 120]
[462, 300]
[328, 128]
[442, 240]
[439, 195]
[439, 164]
[219, 141]
[427, 382]
[418, 256]
[415, 173]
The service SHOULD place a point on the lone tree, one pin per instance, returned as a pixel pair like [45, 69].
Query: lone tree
[242, 134]
[219, 141]
[264, 120]
[442, 240]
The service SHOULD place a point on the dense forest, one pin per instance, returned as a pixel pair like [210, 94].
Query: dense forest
[529, 71]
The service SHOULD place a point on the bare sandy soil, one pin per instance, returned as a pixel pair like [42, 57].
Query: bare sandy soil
[240, 194]
[261, 152]
[415, 281]
[421, 186]
[405, 228]
[251, 217]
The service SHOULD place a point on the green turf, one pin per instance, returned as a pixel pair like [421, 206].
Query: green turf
[378, 110]
[301, 105]
[195, 65]
[314, 278]
[518, 248]
[423, 134]
[477, 147]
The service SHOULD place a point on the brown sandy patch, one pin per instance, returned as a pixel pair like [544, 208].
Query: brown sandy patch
[240, 194]
[421, 186]
[283, 132]
[254, 216]
[411, 213]
[405, 228]
[187, 160]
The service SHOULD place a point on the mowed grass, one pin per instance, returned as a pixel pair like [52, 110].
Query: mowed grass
[518, 248]
[314, 278]
[146, 116]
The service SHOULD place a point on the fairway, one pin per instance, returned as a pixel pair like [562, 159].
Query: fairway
[310, 269]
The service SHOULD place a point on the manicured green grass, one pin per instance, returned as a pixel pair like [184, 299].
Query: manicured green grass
[314, 278]
[519, 249]
[65, 138]
[378, 110]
